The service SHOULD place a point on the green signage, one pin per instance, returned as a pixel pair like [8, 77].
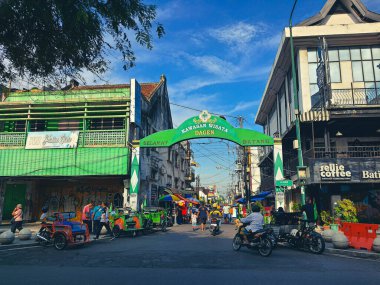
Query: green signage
[284, 183]
[206, 126]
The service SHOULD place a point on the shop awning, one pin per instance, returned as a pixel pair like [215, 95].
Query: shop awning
[259, 197]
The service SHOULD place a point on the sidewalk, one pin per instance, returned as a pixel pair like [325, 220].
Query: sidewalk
[34, 227]
[358, 253]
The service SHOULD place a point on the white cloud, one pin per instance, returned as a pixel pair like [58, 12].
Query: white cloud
[244, 105]
[238, 34]
[212, 64]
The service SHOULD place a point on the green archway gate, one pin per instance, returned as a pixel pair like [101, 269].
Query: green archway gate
[203, 126]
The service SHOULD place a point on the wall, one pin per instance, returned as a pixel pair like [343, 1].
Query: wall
[64, 195]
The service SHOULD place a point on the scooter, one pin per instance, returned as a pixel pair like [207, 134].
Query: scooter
[214, 226]
[259, 240]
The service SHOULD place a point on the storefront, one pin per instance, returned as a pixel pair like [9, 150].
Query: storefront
[357, 179]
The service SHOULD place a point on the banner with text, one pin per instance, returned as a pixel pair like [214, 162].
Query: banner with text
[59, 139]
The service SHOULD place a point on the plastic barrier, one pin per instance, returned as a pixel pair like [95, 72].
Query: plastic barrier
[360, 235]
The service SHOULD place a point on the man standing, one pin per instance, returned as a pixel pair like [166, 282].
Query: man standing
[309, 210]
[17, 219]
[86, 215]
[226, 213]
[97, 213]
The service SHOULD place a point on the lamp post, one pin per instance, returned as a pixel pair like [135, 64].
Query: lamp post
[296, 105]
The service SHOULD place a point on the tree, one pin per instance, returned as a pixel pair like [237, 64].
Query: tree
[54, 38]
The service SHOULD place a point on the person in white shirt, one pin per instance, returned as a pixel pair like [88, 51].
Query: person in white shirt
[104, 221]
[255, 220]
[226, 213]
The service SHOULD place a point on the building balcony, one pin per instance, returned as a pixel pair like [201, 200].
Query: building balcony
[354, 97]
[101, 138]
[190, 176]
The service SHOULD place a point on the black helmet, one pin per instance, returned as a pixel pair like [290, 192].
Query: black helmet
[45, 209]
[255, 208]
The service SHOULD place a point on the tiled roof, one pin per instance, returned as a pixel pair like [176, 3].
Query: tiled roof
[147, 89]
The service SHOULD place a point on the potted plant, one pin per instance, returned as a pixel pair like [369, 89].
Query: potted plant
[326, 219]
[345, 210]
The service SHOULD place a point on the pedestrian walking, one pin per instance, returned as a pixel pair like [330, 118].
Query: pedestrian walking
[231, 211]
[86, 215]
[96, 215]
[194, 218]
[203, 216]
[16, 222]
[104, 221]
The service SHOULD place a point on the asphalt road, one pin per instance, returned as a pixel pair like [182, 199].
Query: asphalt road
[179, 256]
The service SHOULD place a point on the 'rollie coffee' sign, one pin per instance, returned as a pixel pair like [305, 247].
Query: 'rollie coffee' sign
[333, 171]
[345, 170]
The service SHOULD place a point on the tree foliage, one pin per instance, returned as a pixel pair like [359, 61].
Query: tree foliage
[55, 38]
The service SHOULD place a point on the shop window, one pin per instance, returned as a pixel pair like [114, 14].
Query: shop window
[38, 125]
[68, 125]
[19, 126]
[107, 124]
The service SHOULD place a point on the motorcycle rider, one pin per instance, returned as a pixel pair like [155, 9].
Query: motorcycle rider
[255, 220]
[216, 214]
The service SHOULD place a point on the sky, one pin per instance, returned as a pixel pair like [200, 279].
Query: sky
[216, 56]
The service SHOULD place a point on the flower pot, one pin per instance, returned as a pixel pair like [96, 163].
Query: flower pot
[334, 227]
[326, 228]
[327, 235]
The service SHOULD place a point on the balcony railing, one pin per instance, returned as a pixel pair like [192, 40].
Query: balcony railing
[355, 96]
[348, 152]
[104, 138]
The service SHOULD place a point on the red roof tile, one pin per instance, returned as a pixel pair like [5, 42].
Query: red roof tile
[147, 89]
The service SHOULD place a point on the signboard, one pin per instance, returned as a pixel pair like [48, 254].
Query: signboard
[135, 176]
[206, 125]
[135, 111]
[347, 170]
[280, 199]
[45, 140]
[284, 183]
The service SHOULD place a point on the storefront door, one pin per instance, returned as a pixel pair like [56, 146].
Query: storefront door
[14, 194]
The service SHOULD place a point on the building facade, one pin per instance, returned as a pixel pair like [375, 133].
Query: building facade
[338, 78]
[65, 148]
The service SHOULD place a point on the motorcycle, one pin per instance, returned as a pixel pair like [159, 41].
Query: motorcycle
[306, 238]
[259, 240]
[214, 226]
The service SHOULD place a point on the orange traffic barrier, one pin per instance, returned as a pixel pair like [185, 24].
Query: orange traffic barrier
[360, 235]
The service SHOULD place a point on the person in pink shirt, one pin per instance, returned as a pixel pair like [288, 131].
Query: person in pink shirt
[17, 219]
[86, 215]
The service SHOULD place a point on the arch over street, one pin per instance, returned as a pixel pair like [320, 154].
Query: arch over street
[206, 126]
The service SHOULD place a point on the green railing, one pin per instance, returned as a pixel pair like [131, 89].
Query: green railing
[100, 138]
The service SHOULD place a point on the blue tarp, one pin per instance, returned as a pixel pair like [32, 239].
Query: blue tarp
[258, 197]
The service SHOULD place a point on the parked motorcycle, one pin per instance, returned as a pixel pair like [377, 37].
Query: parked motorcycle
[259, 240]
[214, 226]
[306, 238]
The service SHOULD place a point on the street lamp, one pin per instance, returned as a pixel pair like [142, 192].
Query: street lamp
[296, 106]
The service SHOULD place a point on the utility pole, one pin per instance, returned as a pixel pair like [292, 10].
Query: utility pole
[242, 157]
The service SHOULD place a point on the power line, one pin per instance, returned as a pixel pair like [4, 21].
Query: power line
[189, 108]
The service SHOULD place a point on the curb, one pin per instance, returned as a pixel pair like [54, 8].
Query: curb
[351, 253]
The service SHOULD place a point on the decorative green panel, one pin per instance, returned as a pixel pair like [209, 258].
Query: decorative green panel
[69, 95]
[64, 162]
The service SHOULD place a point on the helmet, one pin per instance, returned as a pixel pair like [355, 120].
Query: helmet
[255, 208]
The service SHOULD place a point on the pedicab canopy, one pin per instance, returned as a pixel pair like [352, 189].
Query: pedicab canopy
[206, 126]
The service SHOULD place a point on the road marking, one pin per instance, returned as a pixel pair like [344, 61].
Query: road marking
[19, 248]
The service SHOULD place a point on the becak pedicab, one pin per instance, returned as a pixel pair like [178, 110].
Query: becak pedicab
[124, 220]
[60, 231]
[156, 218]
